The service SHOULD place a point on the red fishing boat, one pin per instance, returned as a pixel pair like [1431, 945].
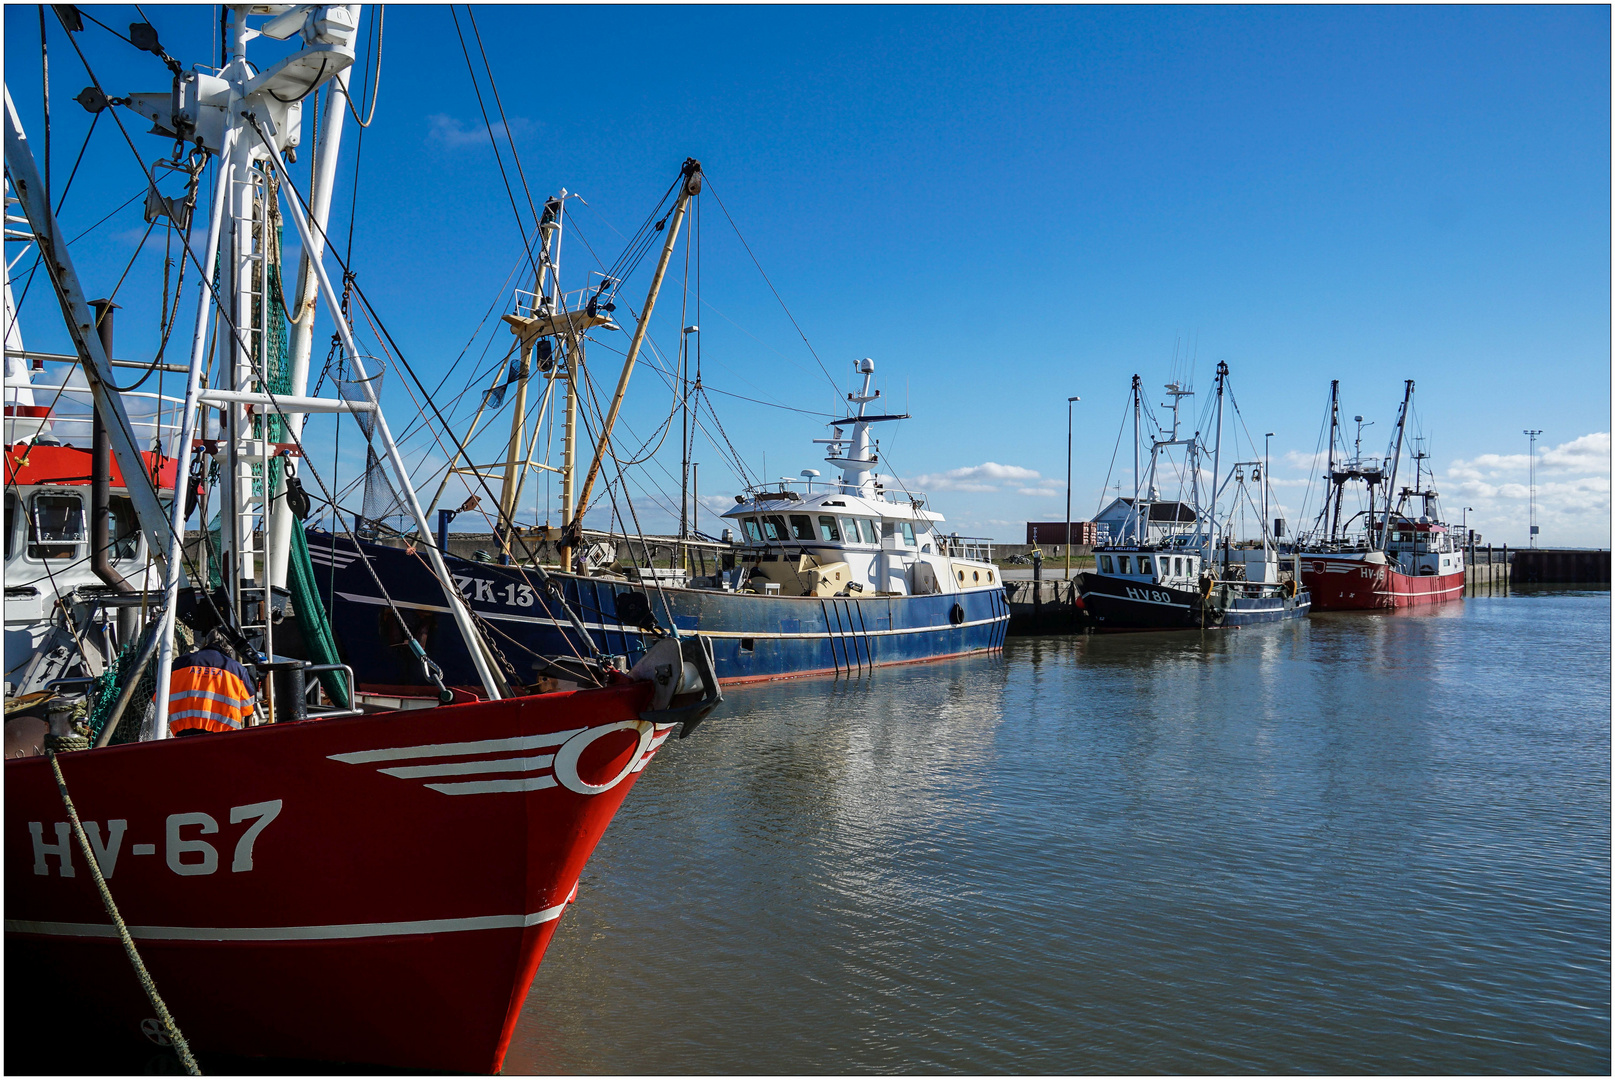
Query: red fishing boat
[359, 884]
[374, 889]
[1385, 556]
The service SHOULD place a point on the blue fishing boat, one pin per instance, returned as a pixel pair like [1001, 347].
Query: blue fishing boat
[835, 581]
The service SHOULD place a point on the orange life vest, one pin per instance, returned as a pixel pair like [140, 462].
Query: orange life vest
[209, 691]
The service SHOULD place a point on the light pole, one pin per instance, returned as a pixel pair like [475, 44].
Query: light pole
[1267, 453]
[1533, 433]
[1068, 403]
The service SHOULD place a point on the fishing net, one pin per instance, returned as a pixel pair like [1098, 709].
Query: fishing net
[381, 499]
[104, 691]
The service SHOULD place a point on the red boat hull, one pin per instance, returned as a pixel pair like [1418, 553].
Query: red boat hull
[1354, 585]
[377, 889]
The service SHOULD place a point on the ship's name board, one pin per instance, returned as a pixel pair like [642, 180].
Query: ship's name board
[488, 591]
[186, 853]
[1154, 596]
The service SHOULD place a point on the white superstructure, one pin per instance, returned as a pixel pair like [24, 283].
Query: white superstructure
[855, 536]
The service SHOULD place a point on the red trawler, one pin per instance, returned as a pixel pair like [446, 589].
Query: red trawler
[309, 877]
[1391, 559]
[376, 889]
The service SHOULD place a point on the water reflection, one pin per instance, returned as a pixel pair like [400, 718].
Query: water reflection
[1356, 843]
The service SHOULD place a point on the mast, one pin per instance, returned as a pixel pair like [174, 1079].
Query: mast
[1216, 455]
[513, 454]
[569, 442]
[306, 301]
[1335, 484]
[1137, 410]
[1396, 459]
[492, 682]
[689, 189]
[516, 468]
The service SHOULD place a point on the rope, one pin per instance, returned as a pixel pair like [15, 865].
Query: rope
[170, 1029]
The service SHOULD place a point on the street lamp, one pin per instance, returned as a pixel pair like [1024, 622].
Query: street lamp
[1267, 523]
[1533, 433]
[1068, 403]
[1464, 526]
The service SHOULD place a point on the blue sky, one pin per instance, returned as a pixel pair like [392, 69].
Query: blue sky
[1004, 207]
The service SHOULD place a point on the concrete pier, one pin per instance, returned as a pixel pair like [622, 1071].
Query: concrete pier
[1043, 607]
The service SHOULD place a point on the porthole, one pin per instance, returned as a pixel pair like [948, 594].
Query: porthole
[989, 577]
[961, 575]
[975, 575]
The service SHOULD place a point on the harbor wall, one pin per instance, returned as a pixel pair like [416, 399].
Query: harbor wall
[1559, 566]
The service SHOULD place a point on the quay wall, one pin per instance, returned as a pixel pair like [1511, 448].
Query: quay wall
[1559, 566]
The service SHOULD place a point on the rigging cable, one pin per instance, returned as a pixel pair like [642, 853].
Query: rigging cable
[833, 384]
[521, 226]
[373, 91]
[498, 104]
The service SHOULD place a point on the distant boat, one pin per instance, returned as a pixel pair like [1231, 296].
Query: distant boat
[1169, 572]
[1383, 556]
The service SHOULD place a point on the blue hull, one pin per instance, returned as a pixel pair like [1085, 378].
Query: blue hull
[1251, 612]
[753, 637]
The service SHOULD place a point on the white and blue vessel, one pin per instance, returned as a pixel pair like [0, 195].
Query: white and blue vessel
[834, 578]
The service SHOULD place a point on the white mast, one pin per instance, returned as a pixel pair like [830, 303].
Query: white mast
[1138, 530]
[305, 300]
[1216, 459]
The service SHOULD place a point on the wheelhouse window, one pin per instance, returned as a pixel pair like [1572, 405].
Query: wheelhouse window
[871, 536]
[56, 528]
[1143, 564]
[801, 527]
[125, 528]
[1105, 565]
[828, 530]
[754, 533]
[1125, 563]
[774, 528]
[849, 529]
[1177, 566]
[908, 533]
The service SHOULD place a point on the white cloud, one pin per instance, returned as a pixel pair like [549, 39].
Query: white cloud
[1572, 500]
[451, 132]
[1589, 453]
[988, 476]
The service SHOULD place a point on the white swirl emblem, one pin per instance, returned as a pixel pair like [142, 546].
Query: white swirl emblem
[566, 758]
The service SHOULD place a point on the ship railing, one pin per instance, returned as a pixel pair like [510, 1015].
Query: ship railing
[975, 548]
[917, 499]
[527, 302]
[154, 417]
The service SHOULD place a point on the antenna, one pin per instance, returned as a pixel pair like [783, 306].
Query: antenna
[1532, 433]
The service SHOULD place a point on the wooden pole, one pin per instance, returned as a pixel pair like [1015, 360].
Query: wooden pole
[692, 187]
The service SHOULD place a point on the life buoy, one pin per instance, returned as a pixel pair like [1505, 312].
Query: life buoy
[956, 615]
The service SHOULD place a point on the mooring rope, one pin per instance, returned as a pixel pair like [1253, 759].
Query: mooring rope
[170, 1028]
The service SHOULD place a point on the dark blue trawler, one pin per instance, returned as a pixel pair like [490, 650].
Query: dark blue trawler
[836, 581]
[1168, 572]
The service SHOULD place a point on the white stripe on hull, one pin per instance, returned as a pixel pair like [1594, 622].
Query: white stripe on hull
[335, 932]
[376, 601]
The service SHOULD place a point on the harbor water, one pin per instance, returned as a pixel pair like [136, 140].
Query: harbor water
[1355, 843]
